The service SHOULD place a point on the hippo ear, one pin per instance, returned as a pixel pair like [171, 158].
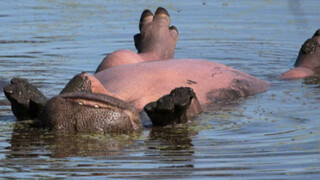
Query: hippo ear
[137, 42]
[146, 17]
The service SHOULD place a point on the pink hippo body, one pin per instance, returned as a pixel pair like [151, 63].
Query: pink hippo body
[141, 83]
[308, 60]
[169, 90]
[143, 77]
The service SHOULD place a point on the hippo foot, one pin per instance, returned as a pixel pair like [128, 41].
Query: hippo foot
[27, 102]
[156, 35]
[177, 107]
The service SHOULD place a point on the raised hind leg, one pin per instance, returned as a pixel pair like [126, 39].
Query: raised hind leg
[156, 37]
[156, 41]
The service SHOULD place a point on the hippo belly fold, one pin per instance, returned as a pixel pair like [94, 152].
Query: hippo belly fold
[142, 83]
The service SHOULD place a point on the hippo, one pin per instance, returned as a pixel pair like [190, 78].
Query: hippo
[127, 84]
[308, 61]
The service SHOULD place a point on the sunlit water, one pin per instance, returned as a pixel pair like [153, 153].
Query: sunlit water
[274, 135]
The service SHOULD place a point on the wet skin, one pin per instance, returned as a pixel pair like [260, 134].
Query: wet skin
[76, 109]
[144, 78]
[308, 60]
[126, 83]
[156, 41]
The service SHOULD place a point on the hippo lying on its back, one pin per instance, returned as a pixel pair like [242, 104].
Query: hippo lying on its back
[126, 83]
[142, 77]
[308, 60]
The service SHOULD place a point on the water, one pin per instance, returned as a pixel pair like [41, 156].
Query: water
[274, 135]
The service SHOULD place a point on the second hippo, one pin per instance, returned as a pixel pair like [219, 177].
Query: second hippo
[308, 60]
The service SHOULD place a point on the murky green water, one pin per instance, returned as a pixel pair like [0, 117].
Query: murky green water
[274, 135]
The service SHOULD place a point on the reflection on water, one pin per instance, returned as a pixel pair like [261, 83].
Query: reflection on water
[312, 81]
[274, 135]
[60, 145]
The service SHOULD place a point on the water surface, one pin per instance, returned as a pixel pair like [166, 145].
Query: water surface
[274, 135]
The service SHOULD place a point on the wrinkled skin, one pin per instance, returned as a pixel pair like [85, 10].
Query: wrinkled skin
[90, 112]
[308, 60]
[169, 90]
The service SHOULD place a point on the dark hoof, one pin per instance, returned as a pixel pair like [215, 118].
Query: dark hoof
[162, 12]
[146, 17]
[177, 107]
[174, 28]
[27, 102]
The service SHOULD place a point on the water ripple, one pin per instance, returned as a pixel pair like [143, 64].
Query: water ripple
[274, 135]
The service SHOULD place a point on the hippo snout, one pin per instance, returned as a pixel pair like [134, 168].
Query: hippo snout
[90, 112]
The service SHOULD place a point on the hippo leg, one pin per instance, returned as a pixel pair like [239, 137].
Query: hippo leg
[156, 41]
[27, 102]
[177, 107]
[156, 36]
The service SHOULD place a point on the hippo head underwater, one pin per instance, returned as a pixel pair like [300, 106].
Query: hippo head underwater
[126, 83]
[308, 60]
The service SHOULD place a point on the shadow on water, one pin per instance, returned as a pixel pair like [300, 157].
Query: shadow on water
[27, 140]
[170, 146]
[314, 80]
